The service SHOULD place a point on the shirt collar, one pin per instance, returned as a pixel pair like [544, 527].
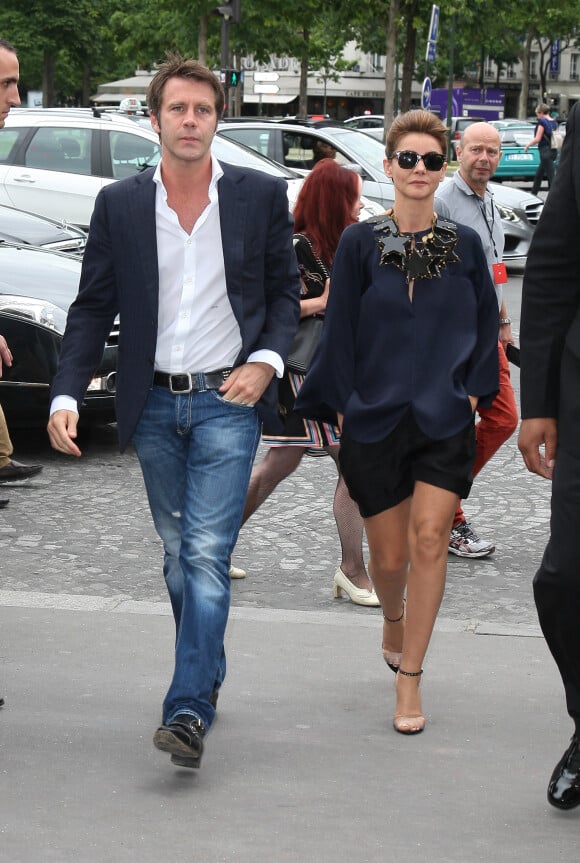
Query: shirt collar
[217, 173]
[466, 188]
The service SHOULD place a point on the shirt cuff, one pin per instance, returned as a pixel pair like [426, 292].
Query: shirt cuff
[271, 357]
[63, 403]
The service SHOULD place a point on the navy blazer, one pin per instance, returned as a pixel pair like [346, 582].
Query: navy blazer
[550, 319]
[120, 277]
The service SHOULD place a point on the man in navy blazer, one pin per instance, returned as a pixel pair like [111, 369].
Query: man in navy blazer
[197, 260]
[550, 432]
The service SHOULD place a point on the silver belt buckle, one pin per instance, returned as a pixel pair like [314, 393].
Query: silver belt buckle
[180, 391]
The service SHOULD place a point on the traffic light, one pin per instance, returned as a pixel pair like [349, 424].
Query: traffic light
[230, 77]
[230, 11]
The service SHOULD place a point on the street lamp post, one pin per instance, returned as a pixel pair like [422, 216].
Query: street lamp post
[230, 13]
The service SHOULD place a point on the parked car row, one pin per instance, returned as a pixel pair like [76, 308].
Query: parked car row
[54, 162]
[294, 147]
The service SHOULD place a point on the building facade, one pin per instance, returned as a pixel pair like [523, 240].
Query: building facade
[271, 89]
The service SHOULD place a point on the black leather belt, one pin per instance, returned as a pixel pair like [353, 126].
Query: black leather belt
[188, 382]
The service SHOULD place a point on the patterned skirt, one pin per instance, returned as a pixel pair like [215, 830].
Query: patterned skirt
[298, 431]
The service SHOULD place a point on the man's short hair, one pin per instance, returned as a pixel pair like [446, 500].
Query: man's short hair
[7, 46]
[176, 66]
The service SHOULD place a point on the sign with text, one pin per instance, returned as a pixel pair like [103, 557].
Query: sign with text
[433, 35]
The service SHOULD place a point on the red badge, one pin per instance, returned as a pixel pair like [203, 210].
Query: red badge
[500, 275]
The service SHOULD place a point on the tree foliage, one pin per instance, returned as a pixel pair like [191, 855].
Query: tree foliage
[67, 49]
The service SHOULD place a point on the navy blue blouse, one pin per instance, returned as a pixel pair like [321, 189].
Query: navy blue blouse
[382, 353]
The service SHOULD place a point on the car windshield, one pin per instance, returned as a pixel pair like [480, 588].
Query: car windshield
[361, 146]
[516, 134]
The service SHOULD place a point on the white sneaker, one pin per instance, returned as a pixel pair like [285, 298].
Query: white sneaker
[236, 572]
[464, 542]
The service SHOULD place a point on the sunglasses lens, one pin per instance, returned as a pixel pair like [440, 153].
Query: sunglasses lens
[407, 159]
[433, 161]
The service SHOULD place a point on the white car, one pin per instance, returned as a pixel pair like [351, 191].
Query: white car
[55, 161]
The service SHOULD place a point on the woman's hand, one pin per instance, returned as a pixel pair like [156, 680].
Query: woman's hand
[316, 305]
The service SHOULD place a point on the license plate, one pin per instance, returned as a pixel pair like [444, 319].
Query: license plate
[520, 157]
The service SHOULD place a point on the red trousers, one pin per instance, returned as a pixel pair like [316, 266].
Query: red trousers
[496, 423]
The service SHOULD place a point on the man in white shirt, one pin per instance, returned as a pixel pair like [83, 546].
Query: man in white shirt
[196, 258]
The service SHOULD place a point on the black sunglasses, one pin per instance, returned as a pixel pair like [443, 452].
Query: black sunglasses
[408, 159]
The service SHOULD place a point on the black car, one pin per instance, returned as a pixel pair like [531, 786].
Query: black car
[17, 226]
[36, 289]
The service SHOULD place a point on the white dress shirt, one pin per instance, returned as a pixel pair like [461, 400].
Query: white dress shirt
[197, 330]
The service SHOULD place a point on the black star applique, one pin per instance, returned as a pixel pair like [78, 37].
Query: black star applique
[393, 249]
[419, 266]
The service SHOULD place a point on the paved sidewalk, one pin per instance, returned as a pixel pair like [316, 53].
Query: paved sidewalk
[302, 764]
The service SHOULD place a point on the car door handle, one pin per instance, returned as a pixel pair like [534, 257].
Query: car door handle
[24, 178]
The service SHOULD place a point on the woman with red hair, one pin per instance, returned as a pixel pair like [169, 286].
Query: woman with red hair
[328, 202]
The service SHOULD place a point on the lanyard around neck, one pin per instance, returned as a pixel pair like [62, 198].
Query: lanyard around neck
[487, 224]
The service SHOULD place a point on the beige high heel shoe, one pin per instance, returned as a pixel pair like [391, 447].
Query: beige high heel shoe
[392, 658]
[358, 595]
[412, 723]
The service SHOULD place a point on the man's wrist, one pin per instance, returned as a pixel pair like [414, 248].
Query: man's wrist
[505, 322]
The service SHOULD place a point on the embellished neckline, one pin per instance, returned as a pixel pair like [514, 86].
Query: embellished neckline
[426, 233]
[420, 254]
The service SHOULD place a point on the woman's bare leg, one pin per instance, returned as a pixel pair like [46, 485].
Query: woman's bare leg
[430, 519]
[388, 564]
[350, 526]
[408, 545]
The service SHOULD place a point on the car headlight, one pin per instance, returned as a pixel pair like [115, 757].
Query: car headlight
[42, 312]
[506, 213]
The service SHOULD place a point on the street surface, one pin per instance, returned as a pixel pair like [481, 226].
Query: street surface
[302, 764]
[83, 528]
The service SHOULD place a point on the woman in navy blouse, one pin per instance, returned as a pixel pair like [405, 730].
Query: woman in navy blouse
[408, 351]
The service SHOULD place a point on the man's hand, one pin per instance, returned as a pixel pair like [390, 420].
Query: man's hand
[5, 354]
[247, 383]
[505, 336]
[535, 433]
[62, 430]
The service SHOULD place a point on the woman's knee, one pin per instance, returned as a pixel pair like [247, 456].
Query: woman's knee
[388, 563]
[429, 540]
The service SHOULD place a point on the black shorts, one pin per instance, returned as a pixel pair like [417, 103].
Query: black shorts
[381, 474]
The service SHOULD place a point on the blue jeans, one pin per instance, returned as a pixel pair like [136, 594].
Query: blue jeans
[196, 452]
